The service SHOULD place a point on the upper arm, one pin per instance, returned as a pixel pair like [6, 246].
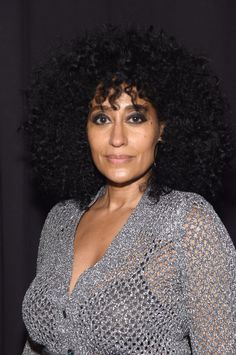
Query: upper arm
[45, 249]
[46, 236]
[209, 281]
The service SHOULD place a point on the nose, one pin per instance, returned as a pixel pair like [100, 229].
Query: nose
[118, 135]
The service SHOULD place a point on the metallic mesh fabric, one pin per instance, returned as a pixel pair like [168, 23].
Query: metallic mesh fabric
[165, 285]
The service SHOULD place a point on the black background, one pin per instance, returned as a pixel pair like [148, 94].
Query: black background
[28, 29]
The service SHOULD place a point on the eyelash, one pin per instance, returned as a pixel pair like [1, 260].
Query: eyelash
[139, 115]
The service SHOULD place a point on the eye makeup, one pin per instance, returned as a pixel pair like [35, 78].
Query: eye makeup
[137, 117]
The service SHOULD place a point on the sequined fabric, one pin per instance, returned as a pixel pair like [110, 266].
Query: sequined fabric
[166, 284]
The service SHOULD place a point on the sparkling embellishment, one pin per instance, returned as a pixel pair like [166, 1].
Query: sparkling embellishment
[166, 284]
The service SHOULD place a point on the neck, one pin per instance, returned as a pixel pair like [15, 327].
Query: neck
[126, 196]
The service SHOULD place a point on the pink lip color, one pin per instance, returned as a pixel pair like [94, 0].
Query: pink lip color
[117, 159]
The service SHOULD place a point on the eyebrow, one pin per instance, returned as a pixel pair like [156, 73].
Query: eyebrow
[128, 107]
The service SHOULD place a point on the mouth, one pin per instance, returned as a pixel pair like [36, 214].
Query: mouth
[118, 159]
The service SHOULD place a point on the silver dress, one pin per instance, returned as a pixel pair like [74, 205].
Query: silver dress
[165, 285]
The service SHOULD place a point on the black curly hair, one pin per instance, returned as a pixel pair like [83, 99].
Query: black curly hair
[196, 145]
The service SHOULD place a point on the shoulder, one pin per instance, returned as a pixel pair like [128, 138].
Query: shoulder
[54, 230]
[191, 206]
[195, 222]
[168, 215]
[188, 200]
[178, 208]
[179, 203]
[185, 197]
[195, 208]
[200, 223]
[60, 215]
[61, 210]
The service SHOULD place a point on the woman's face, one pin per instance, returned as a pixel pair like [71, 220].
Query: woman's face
[122, 141]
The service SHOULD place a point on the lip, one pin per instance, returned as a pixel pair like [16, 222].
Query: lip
[118, 158]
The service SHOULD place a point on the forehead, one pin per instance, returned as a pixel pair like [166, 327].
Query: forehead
[123, 99]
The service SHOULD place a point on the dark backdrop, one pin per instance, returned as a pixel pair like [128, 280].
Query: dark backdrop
[28, 28]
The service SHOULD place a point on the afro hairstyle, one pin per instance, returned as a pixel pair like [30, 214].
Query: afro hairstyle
[196, 145]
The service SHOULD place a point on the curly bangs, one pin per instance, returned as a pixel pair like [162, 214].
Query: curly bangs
[196, 146]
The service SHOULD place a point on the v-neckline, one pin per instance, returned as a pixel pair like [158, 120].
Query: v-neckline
[109, 248]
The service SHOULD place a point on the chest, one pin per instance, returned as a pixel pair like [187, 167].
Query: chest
[94, 233]
[133, 290]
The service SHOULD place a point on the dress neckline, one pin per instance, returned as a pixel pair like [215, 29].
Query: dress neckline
[114, 242]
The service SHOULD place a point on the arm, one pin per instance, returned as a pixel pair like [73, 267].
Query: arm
[43, 250]
[209, 281]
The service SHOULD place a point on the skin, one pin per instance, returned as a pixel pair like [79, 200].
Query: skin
[126, 132]
[123, 132]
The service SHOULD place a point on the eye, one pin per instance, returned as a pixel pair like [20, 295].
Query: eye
[137, 118]
[100, 119]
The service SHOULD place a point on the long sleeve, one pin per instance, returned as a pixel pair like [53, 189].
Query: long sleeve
[42, 254]
[209, 281]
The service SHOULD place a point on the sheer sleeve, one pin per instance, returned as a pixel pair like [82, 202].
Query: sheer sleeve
[47, 236]
[209, 282]
[43, 253]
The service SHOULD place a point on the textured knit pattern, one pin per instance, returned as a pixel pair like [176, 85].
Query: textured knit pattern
[165, 285]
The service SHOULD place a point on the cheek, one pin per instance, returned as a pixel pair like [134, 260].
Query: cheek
[144, 143]
[140, 141]
[94, 140]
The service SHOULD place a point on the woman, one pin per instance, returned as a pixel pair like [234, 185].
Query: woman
[127, 129]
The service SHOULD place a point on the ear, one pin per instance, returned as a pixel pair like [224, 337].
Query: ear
[162, 127]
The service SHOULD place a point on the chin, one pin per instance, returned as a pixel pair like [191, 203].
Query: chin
[124, 181]
[123, 177]
[118, 180]
[119, 183]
